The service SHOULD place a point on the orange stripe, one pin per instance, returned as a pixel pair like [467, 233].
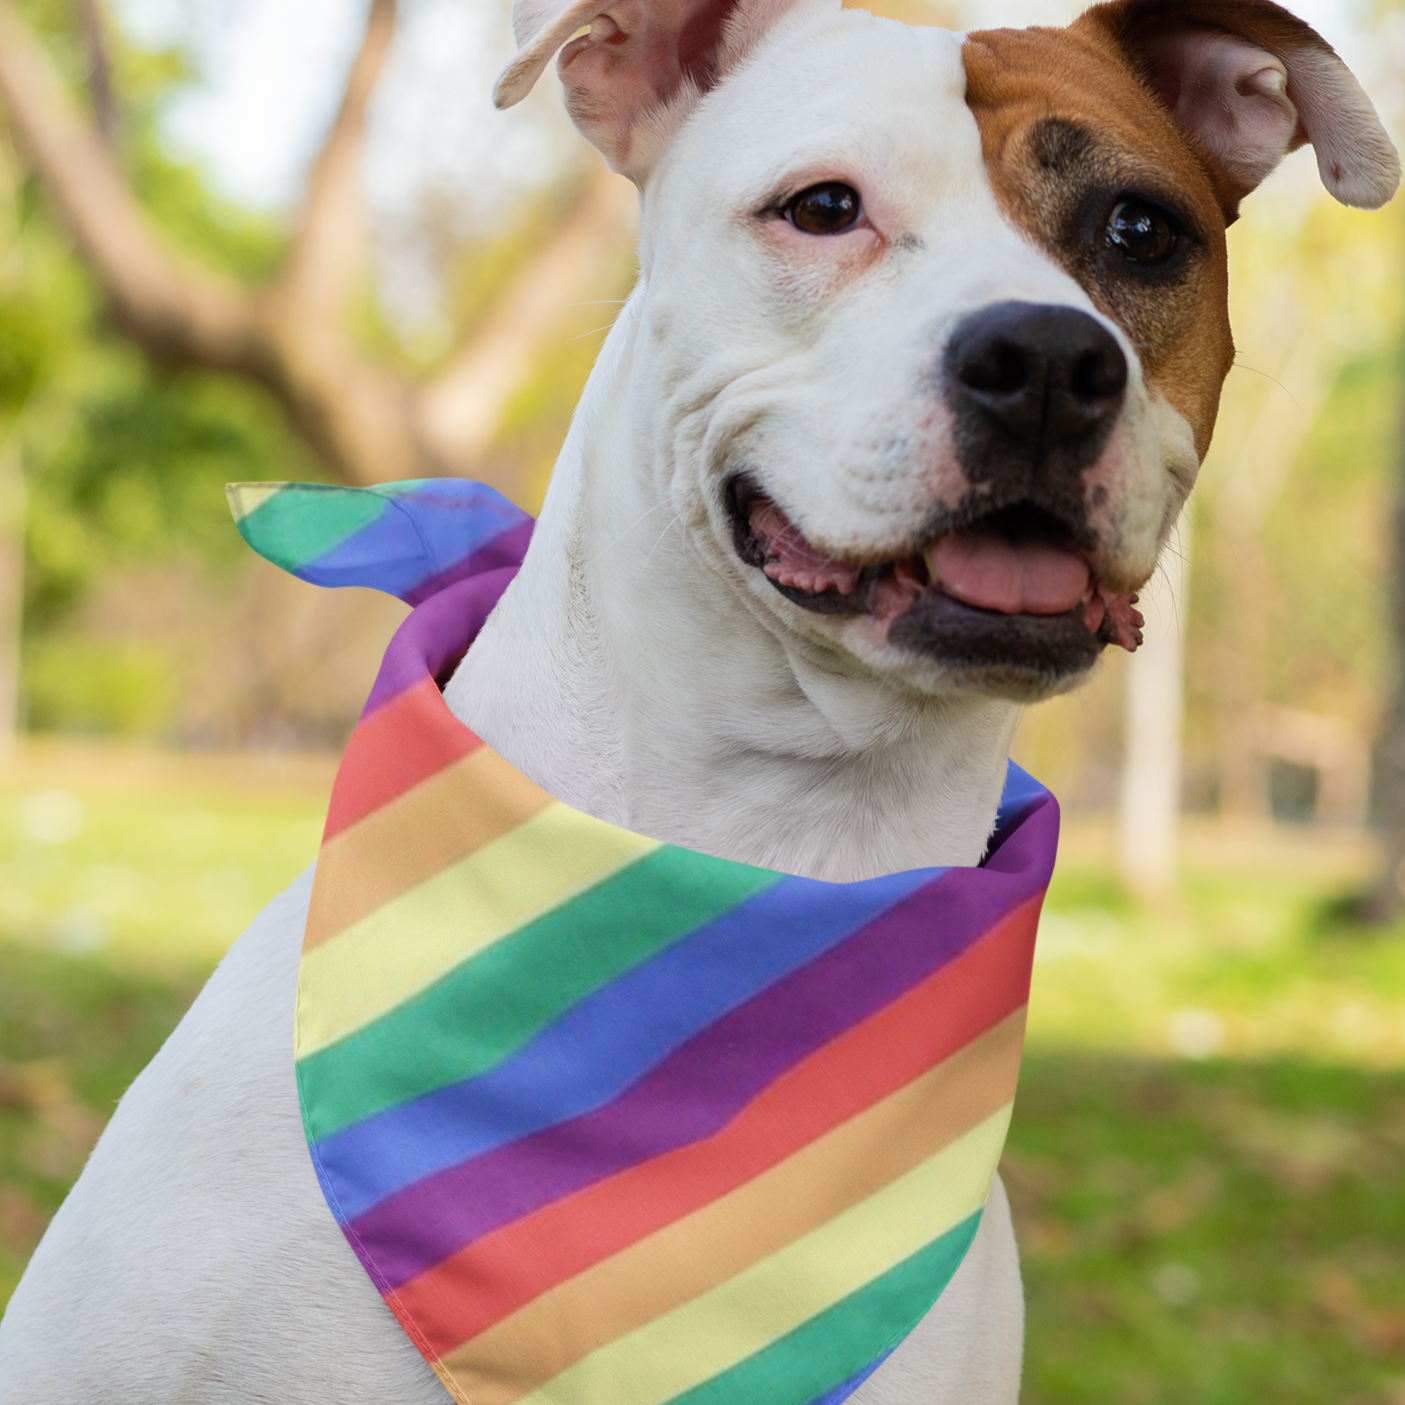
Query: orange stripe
[416, 835]
[692, 1255]
[396, 747]
[497, 1274]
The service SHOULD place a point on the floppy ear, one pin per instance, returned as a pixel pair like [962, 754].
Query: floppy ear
[1252, 82]
[639, 66]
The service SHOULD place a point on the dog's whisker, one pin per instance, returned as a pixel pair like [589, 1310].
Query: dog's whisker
[1244, 366]
[592, 332]
[678, 517]
[611, 545]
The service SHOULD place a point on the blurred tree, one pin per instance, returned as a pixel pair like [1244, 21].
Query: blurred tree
[366, 421]
[1387, 898]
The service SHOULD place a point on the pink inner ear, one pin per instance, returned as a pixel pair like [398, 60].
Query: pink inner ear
[637, 57]
[1231, 95]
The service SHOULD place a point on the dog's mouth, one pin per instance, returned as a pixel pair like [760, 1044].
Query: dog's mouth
[1007, 589]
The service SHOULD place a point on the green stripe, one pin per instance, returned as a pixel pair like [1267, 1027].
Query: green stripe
[284, 532]
[844, 1339]
[493, 1003]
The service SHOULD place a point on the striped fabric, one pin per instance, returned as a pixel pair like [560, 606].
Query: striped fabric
[610, 1122]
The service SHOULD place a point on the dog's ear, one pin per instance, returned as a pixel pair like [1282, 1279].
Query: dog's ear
[1251, 82]
[631, 67]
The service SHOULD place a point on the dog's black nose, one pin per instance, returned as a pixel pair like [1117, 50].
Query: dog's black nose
[1038, 384]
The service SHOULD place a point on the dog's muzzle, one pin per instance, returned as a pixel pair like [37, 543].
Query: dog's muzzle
[1001, 581]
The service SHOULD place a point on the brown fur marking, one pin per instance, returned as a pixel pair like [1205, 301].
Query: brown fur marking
[1068, 126]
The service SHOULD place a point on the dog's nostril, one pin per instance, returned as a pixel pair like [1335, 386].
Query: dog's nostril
[995, 367]
[1100, 373]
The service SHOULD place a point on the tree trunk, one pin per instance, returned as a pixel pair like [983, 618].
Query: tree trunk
[1385, 901]
[1148, 819]
[11, 587]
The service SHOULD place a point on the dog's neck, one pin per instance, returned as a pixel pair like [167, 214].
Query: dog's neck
[627, 676]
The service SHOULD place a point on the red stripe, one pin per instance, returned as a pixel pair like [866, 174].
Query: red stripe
[396, 747]
[499, 1273]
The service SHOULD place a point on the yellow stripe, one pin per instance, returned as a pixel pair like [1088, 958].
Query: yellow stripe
[678, 1263]
[714, 1332]
[421, 832]
[244, 498]
[398, 950]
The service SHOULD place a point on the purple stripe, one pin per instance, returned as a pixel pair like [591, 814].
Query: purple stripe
[699, 1088]
[506, 549]
[436, 635]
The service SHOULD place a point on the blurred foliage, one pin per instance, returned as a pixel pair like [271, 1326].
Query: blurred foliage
[124, 461]
[157, 860]
[120, 687]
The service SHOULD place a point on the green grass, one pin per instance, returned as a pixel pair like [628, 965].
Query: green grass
[74, 1032]
[155, 860]
[1210, 1233]
[1208, 1147]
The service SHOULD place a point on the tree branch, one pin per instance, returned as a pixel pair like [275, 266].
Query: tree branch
[329, 244]
[175, 310]
[459, 410]
[99, 71]
[365, 423]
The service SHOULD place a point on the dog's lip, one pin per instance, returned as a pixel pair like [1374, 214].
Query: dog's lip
[898, 587]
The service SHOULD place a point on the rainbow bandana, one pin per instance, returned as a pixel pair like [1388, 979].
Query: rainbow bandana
[610, 1122]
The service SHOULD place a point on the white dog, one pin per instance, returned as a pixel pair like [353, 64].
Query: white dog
[926, 348]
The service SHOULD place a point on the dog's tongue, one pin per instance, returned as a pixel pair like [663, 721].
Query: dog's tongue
[1029, 578]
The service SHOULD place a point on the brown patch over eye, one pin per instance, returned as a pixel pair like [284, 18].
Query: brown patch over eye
[830, 208]
[1087, 164]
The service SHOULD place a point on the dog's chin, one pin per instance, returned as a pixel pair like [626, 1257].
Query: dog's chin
[895, 616]
[1022, 657]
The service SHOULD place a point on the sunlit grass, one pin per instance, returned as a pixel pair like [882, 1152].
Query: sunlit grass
[1249, 959]
[1209, 1140]
[157, 860]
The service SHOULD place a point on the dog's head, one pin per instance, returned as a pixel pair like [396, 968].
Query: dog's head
[934, 325]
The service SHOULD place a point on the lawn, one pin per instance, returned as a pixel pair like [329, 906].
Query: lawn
[1208, 1145]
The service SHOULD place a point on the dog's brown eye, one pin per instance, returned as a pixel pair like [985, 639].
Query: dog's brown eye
[1140, 231]
[830, 208]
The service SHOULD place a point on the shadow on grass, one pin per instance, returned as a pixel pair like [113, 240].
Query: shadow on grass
[1192, 1234]
[1210, 1234]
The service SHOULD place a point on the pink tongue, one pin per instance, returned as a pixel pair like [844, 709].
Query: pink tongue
[992, 574]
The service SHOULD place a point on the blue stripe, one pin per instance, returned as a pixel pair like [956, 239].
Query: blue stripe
[846, 1388]
[433, 524]
[610, 1039]
[1020, 794]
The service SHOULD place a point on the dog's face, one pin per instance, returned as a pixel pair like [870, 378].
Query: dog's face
[935, 326]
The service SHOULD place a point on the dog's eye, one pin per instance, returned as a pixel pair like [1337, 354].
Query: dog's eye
[830, 208]
[1140, 232]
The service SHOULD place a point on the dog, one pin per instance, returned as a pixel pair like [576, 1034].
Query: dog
[925, 351]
